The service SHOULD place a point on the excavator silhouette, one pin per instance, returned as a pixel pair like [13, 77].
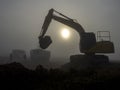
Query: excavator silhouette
[88, 43]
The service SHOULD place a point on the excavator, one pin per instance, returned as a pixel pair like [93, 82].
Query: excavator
[88, 44]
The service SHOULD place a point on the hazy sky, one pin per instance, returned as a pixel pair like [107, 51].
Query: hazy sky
[21, 22]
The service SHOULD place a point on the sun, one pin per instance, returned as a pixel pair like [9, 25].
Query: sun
[65, 33]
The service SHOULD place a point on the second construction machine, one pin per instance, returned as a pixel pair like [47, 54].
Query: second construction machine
[88, 43]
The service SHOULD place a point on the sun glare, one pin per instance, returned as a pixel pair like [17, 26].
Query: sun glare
[65, 33]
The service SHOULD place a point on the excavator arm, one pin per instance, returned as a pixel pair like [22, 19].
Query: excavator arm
[46, 23]
[45, 41]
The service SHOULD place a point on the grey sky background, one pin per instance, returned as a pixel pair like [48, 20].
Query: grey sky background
[21, 22]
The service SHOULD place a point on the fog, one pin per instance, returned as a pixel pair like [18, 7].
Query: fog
[21, 22]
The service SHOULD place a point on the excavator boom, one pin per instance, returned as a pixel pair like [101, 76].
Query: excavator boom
[64, 20]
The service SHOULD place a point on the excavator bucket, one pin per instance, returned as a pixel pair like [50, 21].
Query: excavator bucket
[45, 42]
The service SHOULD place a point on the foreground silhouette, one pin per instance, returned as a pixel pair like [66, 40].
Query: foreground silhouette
[15, 76]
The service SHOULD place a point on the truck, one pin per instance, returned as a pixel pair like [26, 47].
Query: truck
[18, 55]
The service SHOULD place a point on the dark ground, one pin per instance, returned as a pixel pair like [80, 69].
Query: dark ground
[14, 76]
